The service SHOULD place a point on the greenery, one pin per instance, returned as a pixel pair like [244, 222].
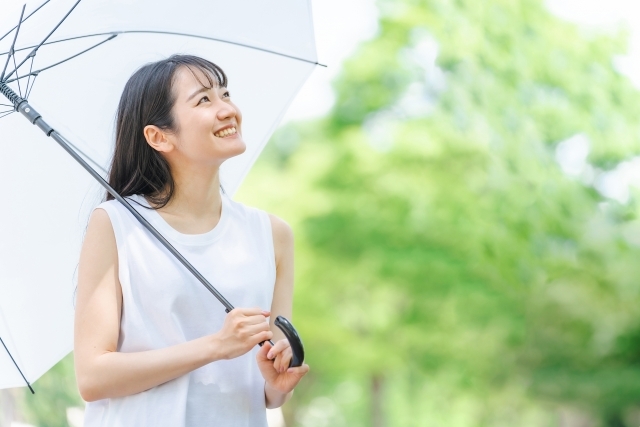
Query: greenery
[449, 273]
[447, 265]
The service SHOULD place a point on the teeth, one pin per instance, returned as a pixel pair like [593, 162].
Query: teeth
[226, 132]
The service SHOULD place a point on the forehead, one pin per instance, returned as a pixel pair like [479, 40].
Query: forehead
[190, 78]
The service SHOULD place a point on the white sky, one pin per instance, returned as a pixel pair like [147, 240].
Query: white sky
[341, 25]
[609, 15]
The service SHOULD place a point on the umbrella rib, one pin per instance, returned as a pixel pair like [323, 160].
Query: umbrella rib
[222, 41]
[113, 36]
[29, 16]
[19, 88]
[60, 41]
[176, 34]
[19, 370]
[13, 45]
[26, 90]
[2, 115]
[33, 52]
[35, 76]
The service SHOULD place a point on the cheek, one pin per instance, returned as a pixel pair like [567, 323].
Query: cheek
[238, 114]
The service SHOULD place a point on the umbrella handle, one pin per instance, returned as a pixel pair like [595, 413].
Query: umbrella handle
[297, 348]
[294, 340]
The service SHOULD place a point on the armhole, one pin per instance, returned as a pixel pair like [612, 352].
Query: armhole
[116, 225]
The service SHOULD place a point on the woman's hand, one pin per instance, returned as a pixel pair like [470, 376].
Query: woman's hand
[274, 365]
[243, 329]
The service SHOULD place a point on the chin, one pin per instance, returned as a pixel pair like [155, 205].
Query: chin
[238, 149]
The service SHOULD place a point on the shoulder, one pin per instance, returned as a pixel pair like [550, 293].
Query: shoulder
[100, 217]
[106, 209]
[99, 245]
[282, 240]
[105, 215]
[281, 230]
[100, 225]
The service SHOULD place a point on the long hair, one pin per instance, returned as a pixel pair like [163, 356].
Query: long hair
[148, 99]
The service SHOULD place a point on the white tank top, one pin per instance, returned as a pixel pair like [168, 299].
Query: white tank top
[164, 305]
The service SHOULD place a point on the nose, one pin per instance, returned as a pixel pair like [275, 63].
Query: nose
[225, 111]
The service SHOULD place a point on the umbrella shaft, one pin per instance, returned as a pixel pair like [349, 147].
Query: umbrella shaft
[21, 105]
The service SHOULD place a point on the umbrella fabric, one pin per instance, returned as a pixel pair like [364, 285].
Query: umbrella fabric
[267, 49]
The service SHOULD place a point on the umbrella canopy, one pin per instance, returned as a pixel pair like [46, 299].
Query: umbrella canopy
[74, 79]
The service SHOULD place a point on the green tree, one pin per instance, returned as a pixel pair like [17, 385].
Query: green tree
[438, 239]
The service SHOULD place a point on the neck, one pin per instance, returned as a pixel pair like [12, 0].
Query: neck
[196, 194]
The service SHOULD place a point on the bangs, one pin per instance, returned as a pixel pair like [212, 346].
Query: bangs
[213, 74]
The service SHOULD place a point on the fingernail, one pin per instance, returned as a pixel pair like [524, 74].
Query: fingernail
[269, 355]
[290, 370]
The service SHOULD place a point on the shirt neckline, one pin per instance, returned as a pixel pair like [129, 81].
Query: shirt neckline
[168, 231]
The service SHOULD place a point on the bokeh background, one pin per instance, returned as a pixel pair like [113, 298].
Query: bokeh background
[463, 184]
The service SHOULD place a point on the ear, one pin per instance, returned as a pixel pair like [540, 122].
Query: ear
[157, 139]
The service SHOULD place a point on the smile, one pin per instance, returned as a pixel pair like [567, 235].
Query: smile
[225, 132]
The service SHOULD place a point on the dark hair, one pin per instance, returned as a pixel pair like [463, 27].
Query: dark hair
[148, 99]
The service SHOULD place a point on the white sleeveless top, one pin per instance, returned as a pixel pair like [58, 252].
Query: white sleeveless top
[164, 305]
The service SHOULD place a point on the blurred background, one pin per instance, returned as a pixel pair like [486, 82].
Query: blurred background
[463, 182]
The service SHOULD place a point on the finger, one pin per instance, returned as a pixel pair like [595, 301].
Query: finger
[262, 352]
[258, 329]
[255, 320]
[278, 348]
[287, 355]
[281, 362]
[262, 337]
[300, 370]
[253, 311]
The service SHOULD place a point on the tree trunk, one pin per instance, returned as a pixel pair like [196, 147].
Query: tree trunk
[377, 402]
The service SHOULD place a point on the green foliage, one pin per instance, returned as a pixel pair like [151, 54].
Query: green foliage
[440, 240]
[55, 392]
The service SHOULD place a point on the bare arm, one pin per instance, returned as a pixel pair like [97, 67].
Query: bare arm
[101, 371]
[282, 305]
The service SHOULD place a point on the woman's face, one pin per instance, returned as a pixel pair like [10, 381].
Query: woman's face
[208, 124]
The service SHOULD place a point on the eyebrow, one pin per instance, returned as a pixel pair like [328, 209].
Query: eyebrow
[202, 89]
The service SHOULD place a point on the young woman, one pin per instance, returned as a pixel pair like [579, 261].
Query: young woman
[152, 346]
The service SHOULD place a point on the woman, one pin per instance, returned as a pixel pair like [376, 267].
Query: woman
[152, 346]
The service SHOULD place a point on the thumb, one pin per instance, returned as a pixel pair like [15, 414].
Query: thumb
[264, 350]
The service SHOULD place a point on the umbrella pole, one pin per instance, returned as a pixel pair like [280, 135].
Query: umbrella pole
[22, 105]
[35, 118]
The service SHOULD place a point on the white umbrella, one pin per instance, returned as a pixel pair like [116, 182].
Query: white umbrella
[266, 48]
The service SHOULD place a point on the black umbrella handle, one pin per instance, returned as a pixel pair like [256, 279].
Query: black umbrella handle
[294, 340]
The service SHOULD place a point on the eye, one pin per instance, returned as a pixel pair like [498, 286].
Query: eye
[226, 95]
[204, 98]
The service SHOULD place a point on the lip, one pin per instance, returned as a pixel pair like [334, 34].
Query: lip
[226, 127]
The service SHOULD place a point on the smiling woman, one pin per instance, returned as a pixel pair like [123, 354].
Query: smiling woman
[152, 105]
[152, 347]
